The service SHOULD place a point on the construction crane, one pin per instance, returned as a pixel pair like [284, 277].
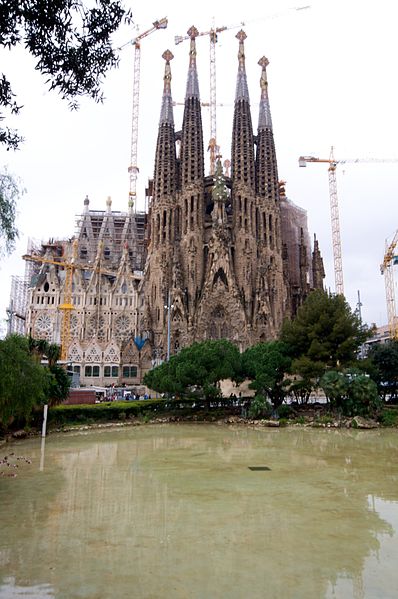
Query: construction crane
[70, 265]
[212, 33]
[386, 268]
[133, 168]
[334, 208]
[334, 212]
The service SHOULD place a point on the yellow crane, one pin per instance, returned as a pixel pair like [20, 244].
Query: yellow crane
[386, 268]
[70, 265]
[334, 208]
[133, 168]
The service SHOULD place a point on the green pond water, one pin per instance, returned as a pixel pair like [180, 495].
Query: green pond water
[175, 511]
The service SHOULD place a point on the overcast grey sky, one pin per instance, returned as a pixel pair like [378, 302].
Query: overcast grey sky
[332, 81]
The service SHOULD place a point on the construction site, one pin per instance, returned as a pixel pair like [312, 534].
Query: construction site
[220, 250]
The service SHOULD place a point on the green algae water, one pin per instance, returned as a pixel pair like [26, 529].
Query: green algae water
[201, 512]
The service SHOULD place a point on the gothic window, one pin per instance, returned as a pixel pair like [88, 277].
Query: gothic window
[93, 354]
[74, 326]
[83, 253]
[111, 371]
[107, 253]
[96, 327]
[111, 355]
[123, 288]
[44, 327]
[129, 371]
[122, 327]
[74, 354]
[92, 370]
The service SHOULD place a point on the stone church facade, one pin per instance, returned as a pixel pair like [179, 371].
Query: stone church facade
[220, 256]
[231, 252]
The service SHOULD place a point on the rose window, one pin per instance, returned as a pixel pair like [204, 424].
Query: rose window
[122, 327]
[44, 326]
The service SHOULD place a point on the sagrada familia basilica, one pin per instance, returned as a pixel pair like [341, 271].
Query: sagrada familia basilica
[226, 255]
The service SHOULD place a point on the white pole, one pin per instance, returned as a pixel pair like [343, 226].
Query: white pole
[168, 325]
[44, 427]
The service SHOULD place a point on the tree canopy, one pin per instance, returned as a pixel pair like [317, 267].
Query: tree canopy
[71, 43]
[384, 368]
[266, 364]
[198, 367]
[10, 191]
[325, 331]
[25, 382]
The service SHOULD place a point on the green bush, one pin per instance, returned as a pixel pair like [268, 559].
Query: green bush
[285, 411]
[104, 412]
[389, 418]
[260, 407]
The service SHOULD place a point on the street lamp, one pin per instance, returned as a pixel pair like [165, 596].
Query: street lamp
[168, 308]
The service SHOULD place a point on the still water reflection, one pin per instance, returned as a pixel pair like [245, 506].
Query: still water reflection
[176, 512]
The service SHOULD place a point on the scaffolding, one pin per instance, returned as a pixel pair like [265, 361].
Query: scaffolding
[113, 229]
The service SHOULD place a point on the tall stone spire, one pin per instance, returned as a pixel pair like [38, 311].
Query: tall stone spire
[266, 166]
[242, 92]
[318, 271]
[166, 113]
[192, 154]
[242, 134]
[192, 81]
[165, 175]
[264, 118]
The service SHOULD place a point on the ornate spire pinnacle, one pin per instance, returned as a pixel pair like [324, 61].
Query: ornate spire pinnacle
[166, 113]
[242, 92]
[192, 82]
[264, 117]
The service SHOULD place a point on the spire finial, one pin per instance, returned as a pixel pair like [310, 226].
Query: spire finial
[192, 83]
[263, 62]
[167, 55]
[264, 119]
[193, 34]
[242, 92]
[241, 36]
[166, 113]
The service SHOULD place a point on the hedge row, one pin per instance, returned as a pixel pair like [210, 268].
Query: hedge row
[120, 410]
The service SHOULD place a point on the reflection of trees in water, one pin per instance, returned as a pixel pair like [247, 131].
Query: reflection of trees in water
[177, 508]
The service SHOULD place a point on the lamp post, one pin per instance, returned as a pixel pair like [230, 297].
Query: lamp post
[168, 308]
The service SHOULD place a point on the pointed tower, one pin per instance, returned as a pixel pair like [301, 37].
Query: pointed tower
[243, 185]
[267, 216]
[318, 270]
[165, 219]
[192, 154]
[266, 166]
[191, 198]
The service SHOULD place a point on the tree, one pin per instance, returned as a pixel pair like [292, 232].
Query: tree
[24, 383]
[9, 193]
[384, 368]
[351, 392]
[70, 42]
[58, 380]
[199, 367]
[266, 364]
[325, 331]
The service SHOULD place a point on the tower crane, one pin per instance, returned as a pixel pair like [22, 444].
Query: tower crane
[334, 208]
[386, 268]
[70, 265]
[133, 168]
